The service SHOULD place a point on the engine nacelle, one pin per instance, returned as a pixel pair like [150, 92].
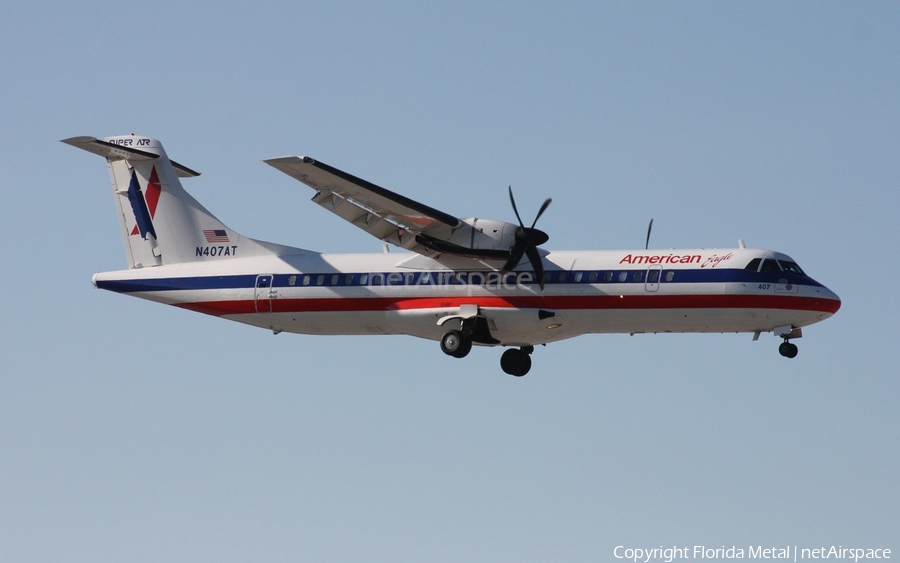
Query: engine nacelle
[481, 238]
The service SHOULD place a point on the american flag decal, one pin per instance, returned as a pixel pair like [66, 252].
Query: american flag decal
[215, 235]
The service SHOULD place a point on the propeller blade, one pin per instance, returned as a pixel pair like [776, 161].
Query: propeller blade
[512, 200]
[541, 212]
[537, 263]
[649, 228]
[527, 241]
[515, 256]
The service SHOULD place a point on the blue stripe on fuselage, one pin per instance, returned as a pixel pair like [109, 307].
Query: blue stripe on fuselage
[401, 279]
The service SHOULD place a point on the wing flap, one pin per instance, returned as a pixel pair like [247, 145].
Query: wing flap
[346, 210]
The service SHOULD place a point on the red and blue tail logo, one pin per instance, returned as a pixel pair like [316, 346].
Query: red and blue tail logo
[144, 207]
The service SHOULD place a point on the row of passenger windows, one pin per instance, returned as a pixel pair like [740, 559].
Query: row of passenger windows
[475, 278]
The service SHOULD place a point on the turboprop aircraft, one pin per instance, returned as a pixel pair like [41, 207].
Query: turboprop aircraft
[464, 282]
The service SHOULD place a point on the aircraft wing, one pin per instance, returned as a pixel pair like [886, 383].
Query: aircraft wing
[380, 212]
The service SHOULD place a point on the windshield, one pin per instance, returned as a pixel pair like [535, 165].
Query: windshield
[791, 267]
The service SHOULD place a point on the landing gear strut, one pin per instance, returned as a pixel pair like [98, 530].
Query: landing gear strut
[517, 362]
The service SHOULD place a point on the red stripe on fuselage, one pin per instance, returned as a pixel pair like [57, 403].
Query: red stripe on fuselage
[597, 302]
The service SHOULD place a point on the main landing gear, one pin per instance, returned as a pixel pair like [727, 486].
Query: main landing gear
[514, 361]
[517, 362]
[474, 328]
[458, 343]
[455, 343]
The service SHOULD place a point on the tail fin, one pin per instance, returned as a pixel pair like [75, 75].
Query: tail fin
[161, 223]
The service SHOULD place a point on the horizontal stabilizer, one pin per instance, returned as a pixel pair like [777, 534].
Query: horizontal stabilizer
[112, 151]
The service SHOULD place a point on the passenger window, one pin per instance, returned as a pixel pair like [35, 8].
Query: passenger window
[363, 279]
[638, 276]
[305, 280]
[593, 277]
[562, 277]
[578, 276]
[348, 280]
[607, 276]
[670, 275]
[376, 279]
[653, 276]
[623, 276]
[320, 279]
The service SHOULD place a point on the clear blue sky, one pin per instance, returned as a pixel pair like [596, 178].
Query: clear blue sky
[130, 431]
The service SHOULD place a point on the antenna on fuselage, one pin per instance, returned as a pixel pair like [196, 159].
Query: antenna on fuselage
[649, 228]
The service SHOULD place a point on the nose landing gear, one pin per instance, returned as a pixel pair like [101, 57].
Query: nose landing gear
[788, 349]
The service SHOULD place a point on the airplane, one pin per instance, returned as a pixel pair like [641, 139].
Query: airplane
[463, 281]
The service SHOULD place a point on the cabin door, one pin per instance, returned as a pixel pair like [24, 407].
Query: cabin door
[651, 283]
[264, 293]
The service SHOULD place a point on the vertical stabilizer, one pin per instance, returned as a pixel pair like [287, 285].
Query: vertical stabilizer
[161, 223]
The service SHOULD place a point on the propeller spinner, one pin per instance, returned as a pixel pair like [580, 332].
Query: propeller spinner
[527, 241]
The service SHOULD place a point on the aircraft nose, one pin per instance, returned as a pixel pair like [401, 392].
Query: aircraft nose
[832, 301]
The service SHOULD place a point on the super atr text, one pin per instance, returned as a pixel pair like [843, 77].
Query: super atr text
[786, 553]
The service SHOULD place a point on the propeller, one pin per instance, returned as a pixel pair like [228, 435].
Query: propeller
[527, 241]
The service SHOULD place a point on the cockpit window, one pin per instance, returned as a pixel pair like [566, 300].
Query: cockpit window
[770, 265]
[791, 267]
[753, 265]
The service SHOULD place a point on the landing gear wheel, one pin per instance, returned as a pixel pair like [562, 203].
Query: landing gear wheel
[515, 362]
[455, 343]
[788, 350]
[464, 348]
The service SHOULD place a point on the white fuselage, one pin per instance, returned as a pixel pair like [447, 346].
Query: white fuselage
[702, 290]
